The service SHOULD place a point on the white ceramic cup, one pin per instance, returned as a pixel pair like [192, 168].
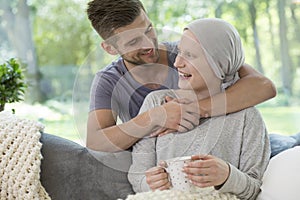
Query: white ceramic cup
[176, 176]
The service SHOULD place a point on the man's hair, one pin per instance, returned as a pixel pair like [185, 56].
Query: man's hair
[109, 15]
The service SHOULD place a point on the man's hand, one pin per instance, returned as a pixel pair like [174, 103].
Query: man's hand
[207, 170]
[157, 178]
[179, 115]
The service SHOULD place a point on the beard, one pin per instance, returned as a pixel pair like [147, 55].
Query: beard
[137, 58]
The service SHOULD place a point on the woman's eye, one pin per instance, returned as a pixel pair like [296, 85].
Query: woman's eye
[189, 55]
[186, 54]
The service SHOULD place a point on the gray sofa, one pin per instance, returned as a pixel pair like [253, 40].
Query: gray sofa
[70, 172]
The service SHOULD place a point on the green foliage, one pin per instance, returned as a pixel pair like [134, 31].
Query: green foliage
[62, 33]
[12, 83]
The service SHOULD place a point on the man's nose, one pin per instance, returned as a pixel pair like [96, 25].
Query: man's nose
[147, 42]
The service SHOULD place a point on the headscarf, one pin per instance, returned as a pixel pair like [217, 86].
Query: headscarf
[222, 46]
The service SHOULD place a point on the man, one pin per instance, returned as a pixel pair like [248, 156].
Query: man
[120, 88]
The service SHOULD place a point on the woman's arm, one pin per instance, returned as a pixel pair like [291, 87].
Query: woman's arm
[245, 180]
[143, 158]
[143, 155]
[104, 135]
[252, 89]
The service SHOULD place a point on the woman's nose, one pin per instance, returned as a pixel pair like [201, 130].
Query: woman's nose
[179, 62]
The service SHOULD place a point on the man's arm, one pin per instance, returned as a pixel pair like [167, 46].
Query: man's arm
[252, 89]
[104, 135]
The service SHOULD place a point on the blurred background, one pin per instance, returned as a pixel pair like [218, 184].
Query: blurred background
[60, 53]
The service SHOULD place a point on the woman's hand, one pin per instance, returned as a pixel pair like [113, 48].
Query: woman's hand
[157, 178]
[207, 171]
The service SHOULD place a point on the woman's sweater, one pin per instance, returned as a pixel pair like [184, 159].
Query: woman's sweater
[240, 139]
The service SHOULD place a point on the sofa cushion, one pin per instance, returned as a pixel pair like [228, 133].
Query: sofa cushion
[69, 171]
[282, 178]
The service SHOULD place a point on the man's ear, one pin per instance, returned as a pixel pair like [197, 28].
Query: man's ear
[109, 48]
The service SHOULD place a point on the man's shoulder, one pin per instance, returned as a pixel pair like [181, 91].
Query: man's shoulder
[171, 47]
[113, 71]
[172, 51]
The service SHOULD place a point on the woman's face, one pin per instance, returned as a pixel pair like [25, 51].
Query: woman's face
[193, 68]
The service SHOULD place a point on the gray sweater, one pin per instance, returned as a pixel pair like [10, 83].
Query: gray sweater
[240, 139]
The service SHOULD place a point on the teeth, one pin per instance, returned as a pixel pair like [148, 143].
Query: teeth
[147, 52]
[184, 74]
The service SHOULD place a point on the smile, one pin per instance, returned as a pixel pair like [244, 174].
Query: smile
[184, 75]
[147, 53]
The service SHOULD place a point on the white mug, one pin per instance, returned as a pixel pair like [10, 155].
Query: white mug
[176, 176]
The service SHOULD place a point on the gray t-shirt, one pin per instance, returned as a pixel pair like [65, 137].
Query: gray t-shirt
[239, 138]
[114, 88]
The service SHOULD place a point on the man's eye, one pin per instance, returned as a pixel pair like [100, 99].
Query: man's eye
[132, 42]
[150, 28]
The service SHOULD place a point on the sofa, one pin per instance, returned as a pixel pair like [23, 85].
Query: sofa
[70, 171]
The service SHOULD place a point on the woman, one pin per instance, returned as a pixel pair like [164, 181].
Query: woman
[231, 152]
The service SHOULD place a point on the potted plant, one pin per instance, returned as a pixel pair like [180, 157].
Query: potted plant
[12, 83]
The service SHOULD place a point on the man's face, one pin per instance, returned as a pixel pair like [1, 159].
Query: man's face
[137, 42]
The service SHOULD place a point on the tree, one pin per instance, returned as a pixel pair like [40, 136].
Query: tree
[271, 28]
[252, 11]
[286, 68]
[63, 33]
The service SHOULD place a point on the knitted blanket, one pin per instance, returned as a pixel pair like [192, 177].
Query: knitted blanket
[20, 158]
[208, 194]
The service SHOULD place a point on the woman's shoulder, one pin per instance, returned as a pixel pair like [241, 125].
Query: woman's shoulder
[250, 110]
[247, 114]
[155, 98]
[161, 94]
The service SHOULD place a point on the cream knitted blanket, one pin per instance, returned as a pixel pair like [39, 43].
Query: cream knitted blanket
[209, 194]
[20, 159]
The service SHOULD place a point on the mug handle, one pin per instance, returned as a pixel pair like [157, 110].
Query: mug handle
[164, 165]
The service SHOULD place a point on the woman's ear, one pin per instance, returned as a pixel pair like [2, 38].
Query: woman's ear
[109, 48]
